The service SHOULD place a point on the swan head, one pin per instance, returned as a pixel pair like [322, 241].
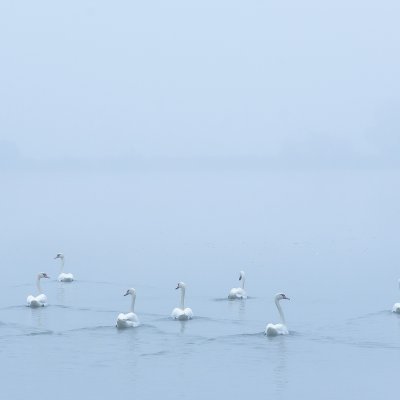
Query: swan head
[59, 255]
[180, 285]
[43, 275]
[131, 291]
[241, 275]
[281, 296]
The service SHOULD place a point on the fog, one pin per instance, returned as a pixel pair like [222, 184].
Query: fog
[159, 141]
[288, 82]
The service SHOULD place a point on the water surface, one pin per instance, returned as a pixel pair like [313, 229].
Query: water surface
[327, 239]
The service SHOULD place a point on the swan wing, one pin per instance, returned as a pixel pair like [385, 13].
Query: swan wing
[188, 312]
[270, 330]
[42, 298]
[127, 320]
[132, 317]
[29, 299]
[122, 317]
[241, 294]
[176, 313]
[396, 308]
[232, 294]
[38, 301]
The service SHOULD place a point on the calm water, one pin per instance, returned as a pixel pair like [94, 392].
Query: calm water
[329, 240]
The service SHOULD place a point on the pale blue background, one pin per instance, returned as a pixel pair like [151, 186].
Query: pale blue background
[163, 141]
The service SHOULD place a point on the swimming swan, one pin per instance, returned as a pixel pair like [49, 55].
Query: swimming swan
[129, 320]
[41, 299]
[396, 306]
[181, 312]
[238, 293]
[63, 277]
[278, 329]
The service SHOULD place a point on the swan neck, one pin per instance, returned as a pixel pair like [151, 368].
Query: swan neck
[62, 264]
[133, 303]
[183, 298]
[278, 306]
[243, 280]
[38, 285]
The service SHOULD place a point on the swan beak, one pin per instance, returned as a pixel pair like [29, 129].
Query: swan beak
[286, 298]
[126, 294]
[177, 287]
[240, 277]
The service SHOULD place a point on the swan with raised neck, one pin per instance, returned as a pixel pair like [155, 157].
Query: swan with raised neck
[278, 329]
[41, 299]
[64, 276]
[129, 320]
[239, 293]
[181, 313]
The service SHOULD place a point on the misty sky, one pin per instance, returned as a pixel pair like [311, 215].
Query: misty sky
[99, 79]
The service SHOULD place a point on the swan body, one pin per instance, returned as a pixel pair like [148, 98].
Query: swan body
[238, 293]
[181, 313]
[41, 299]
[278, 329]
[396, 306]
[63, 277]
[128, 320]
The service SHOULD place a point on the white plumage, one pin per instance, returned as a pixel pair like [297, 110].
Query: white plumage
[238, 293]
[41, 299]
[181, 313]
[128, 320]
[396, 308]
[278, 329]
[64, 276]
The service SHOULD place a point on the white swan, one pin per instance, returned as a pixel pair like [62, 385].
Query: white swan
[396, 306]
[63, 277]
[238, 293]
[181, 312]
[129, 320]
[41, 299]
[278, 329]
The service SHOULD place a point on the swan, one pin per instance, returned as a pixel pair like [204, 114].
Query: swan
[41, 299]
[129, 320]
[396, 306]
[278, 329]
[181, 312]
[63, 277]
[238, 293]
